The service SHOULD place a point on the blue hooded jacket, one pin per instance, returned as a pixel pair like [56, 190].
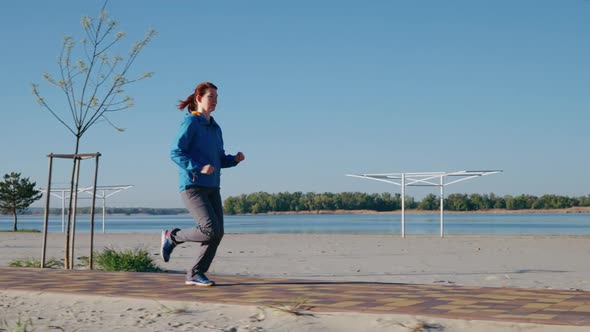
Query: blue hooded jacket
[197, 144]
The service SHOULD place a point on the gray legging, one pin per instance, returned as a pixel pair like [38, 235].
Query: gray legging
[205, 205]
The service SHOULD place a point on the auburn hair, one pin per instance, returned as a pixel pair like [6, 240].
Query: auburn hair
[190, 101]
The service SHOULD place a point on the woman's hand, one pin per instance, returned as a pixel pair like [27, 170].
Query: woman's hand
[239, 157]
[207, 169]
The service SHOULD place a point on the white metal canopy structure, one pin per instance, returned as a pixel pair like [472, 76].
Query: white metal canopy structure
[102, 192]
[425, 179]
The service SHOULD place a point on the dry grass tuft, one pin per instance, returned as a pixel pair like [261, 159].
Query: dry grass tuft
[177, 311]
[422, 326]
[297, 308]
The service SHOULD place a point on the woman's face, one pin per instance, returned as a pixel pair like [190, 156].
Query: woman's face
[208, 101]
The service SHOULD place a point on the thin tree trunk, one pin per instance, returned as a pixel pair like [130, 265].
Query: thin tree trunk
[14, 228]
[69, 222]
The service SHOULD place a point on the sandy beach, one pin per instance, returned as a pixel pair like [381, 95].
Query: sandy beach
[552, 262]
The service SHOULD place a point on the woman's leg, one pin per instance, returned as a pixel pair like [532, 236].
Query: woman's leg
[203, 204]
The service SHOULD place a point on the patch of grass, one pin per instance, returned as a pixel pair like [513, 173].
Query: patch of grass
[20, 326]
[32, 262]
[22, 231]
[130, 260]
[297, 308]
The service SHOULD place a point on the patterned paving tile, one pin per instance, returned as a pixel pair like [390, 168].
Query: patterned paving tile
[558, 307]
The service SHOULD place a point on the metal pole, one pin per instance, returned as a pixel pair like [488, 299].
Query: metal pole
[75, 212]
[46, 220]
[92, 213]
[104, 209]
[63, 210]
[442, 208]
[403, 205]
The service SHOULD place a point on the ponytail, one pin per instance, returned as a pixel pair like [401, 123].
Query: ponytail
[190, 102]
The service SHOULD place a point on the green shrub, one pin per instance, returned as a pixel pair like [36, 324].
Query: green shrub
[130, 260]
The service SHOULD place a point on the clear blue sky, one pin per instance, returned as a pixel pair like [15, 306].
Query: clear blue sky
[313, 90]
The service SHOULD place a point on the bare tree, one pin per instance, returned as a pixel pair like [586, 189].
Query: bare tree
[93, 85]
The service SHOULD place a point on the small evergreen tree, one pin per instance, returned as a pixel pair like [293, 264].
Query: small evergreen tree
[16, 195]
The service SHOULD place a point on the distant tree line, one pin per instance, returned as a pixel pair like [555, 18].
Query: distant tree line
[114, 210]
[262, 202]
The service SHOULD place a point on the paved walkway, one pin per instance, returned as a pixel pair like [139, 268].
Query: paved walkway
[542, 306]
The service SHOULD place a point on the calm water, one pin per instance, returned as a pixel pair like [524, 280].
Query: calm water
[462, 224]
